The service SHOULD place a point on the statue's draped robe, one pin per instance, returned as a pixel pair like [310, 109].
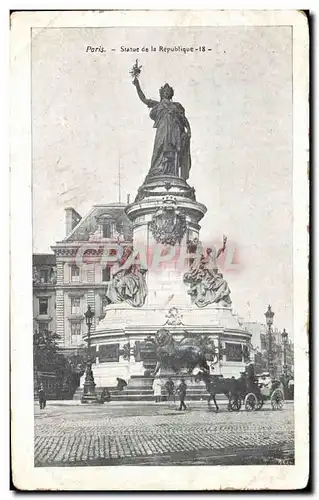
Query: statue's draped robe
[171, 139]
[128, 285]
[207, 285]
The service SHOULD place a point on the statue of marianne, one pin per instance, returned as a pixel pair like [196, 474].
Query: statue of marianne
[171, 153]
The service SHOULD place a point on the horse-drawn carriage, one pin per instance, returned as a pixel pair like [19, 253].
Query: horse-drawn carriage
[248, 389]
[192, 352]
[255, 392]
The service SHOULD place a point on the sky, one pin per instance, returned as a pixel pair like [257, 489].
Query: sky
[87, 122]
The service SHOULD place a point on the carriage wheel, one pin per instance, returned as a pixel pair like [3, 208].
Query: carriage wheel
[251, 402]
[234, 403]
[277, 399]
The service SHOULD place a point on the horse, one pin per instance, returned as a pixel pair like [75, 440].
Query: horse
[219, 385]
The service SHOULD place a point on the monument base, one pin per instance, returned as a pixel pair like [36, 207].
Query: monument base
[124, 325]
[141, 389]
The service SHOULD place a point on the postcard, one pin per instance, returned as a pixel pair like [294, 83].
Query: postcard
[159, 250]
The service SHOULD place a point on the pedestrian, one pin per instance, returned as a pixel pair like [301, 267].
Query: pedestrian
[182, 388]
[265, 384]
[42, 398]
[170, 388]
[291, 386]
[157, 389]
[105, 395]
[250, 377]
[120, 384]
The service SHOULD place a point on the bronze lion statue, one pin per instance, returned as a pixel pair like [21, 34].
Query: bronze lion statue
[185, 354]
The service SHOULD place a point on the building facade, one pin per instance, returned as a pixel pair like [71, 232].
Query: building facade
[260, 346]
[44, 292]
[73, 276]
[81, 276]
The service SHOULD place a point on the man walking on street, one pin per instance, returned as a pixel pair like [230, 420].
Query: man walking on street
[182, 394]
[291, 385]
[169, 386]
[157, 389]
[42, 398]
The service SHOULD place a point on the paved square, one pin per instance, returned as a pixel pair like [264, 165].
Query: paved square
[150, 434]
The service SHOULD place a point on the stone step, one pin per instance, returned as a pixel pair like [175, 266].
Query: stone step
[195, 394]
[89, 399]
[78, 394]
[190, 394]
[143, 397]
[148, 395]
[140, 389]
[149, 389]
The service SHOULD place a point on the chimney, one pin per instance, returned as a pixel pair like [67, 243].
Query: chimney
[72, 218]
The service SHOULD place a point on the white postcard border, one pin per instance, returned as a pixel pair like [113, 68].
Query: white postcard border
[25, 475]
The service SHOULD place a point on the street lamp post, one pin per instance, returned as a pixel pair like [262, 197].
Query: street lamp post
[89, 385]
[269, 314]
[284, 338]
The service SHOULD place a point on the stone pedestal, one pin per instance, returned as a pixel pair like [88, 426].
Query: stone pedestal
[165, 216]
[122, 322]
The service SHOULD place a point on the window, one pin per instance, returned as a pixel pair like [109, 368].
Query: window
[75, 273]
[107, 230]
[52, 277]
[106, 274]
[76, 328]
[76, 336]
[43, 327]
[75, 305]
[43, 306]
[44, 275]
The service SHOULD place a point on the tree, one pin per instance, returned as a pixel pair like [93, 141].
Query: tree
[48, 358]
[260, 360]
[45, 349]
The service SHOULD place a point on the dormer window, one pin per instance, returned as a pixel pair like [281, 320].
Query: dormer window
[107, 230]
[107, 225]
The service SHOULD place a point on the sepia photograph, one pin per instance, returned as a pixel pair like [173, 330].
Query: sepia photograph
[166, 253]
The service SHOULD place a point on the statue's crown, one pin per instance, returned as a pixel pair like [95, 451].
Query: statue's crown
[166, 86]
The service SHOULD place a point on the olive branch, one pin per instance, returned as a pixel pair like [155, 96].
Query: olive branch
[136, 70]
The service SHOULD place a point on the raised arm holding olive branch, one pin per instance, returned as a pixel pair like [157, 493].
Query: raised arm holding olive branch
[223, 248]
[171, 153]
[149, 102]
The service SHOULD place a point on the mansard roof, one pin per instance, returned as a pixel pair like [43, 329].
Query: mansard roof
[90, 223]
[44, 259]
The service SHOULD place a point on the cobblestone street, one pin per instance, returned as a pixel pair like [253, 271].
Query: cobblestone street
[150, 434]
